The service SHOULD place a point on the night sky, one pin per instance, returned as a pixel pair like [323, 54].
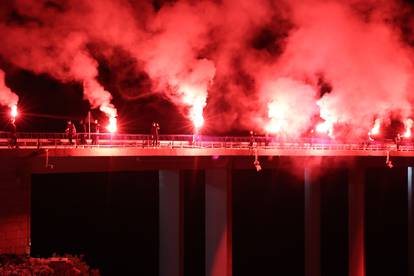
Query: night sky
[158, 58]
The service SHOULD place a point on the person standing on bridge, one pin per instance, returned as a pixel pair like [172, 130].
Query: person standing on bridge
[12, 134]
[155, 133]
[70, 132]
[95, 135]
[397, 141]
[252, 139]
[82, 138]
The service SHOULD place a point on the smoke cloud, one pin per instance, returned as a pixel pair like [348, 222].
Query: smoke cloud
[272, 66]
[363, 58]
[172, 58]
[43, 46]
[7, 97]
[284, 96]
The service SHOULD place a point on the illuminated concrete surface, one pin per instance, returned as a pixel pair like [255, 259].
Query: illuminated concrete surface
[66, 151]
[19, 164]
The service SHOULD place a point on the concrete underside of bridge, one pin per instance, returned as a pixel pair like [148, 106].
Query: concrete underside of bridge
[133, 159]
[18, 166]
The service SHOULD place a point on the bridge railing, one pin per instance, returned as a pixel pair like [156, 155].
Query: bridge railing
[40, 139]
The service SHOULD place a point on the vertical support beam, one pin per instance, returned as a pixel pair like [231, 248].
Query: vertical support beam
[26, 178]
[356, 224]
[14, 206]
[410, 221]
[170, 224]
[312, 225]
[218, 223]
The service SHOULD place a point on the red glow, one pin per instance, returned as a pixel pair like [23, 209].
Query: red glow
[275, 126]
[196, 114]
[13, 111]
[277, 111]
[331, 46]
[284, 98]
[376, 128]
[112, 125]
[111, 112]
[325, 127]
[408, 123]
[194, 97]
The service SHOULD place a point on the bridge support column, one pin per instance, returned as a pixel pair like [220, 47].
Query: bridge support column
[410, 221]
[170, 224]
[218, 223]
[356, 216]
[312, 224]
[14, 207]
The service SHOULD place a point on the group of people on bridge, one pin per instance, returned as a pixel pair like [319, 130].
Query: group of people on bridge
[71, 132]
[90, 132]
[95, 130]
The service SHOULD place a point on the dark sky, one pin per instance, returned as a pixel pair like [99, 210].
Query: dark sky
[51, 95]
[46, 104]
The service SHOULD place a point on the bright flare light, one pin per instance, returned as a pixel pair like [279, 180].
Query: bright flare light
[196, 115]
[111, 113]
[329, 117]
[13, 111]
[325, 127]
[112, 125]
[276, 113]
[275, 126]
[195, 98]
[376, 129]
[408, 123]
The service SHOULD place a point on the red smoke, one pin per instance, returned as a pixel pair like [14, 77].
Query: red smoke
[364, 59]
[56, 50]
[250, 64]
[7, 97]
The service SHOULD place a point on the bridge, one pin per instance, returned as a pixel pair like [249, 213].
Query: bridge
[189, 145]
[218, 158]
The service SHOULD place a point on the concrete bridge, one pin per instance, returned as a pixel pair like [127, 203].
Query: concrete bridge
[217, 158]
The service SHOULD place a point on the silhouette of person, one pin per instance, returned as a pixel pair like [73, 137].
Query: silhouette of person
[96, 130]
[70, 132]
[83, 133]
[155, 133]
[252, 139]
[397, 141]
[12, 134]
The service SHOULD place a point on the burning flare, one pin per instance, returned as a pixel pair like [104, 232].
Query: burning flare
[196, 100]
[112, 125]
[111, 113]
[13, 111]
[290, 105]
[376, 128]
[408, 123]
[196, 114]
[276, 113]
[325, 127]
[99, 97]
[329, 116]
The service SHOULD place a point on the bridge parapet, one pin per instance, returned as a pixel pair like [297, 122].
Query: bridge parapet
[189, 145]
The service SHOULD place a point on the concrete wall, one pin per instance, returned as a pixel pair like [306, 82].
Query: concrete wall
[14, 206]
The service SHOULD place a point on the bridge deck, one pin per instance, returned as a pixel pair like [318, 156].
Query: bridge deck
[186, 145]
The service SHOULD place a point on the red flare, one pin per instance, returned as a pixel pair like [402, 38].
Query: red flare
[112, 125]
[13, 111]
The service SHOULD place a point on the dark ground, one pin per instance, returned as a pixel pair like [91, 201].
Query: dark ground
[112, 219]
